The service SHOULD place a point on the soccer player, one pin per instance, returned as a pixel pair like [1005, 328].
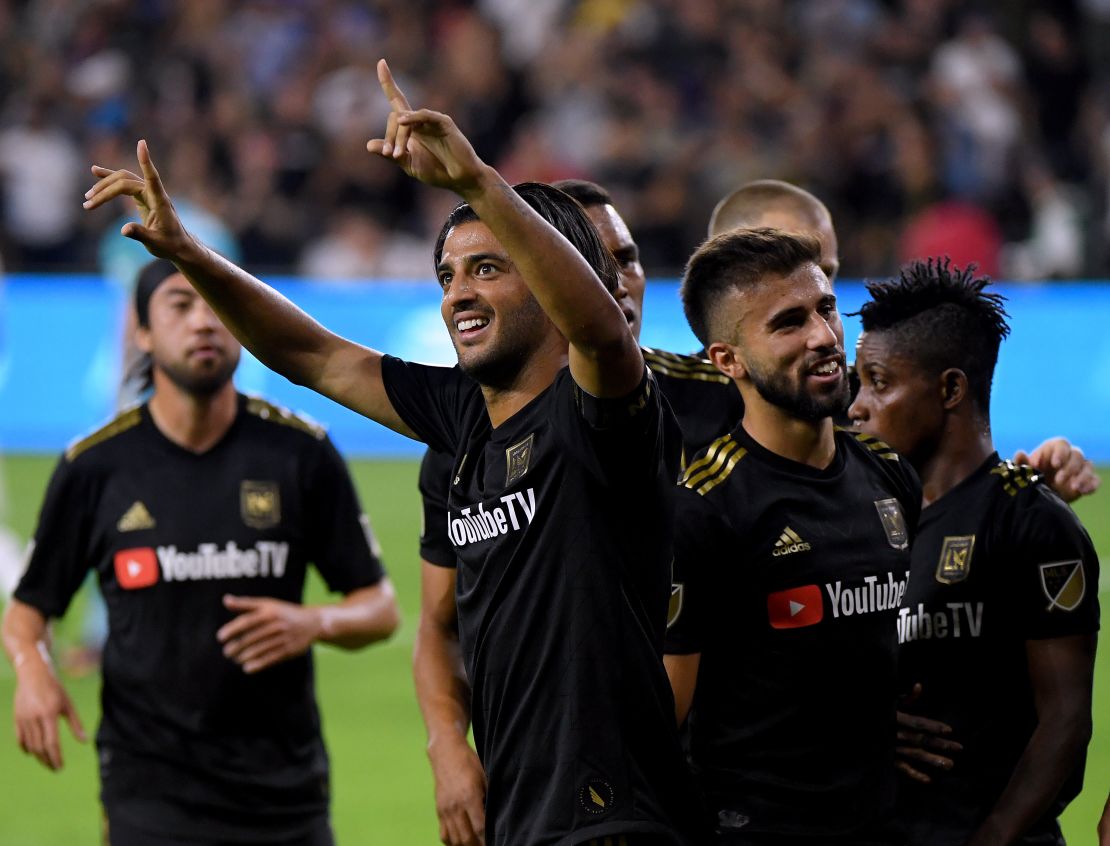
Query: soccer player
[200, 512]
[791, 555]
[999, 622]
[558, 434]
[706, 404]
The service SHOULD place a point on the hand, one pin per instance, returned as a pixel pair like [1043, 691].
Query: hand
[1064, 466]
[426, 144]
[161, 231]
[40, 700]
[916, 736]
[460, 794]
[267, 631]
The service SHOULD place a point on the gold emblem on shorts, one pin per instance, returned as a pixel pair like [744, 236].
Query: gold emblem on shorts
[516, 459]
[955, 559]
[260, 504]
[596, 796]
[894, 524]
[674, 608]
[1064, 583]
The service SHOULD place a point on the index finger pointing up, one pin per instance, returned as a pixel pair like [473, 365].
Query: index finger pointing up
[396, 99]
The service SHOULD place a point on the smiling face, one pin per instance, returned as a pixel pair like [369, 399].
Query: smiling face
[618, 240]
[494, 321]
[187, 343]
[899, 401]
[789, 343]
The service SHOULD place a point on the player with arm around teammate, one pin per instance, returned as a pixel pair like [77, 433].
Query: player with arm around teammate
[559, 438]
[199, 511]
[999, 623]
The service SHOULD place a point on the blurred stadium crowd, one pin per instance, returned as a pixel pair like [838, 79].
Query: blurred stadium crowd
[978, 129]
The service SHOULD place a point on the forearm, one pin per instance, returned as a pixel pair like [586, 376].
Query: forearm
[1049, 759]
[442, 691]
[362, 617]
[26, 634]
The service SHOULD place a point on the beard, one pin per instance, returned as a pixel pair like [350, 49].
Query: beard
[203, 382]
[793, 398]
[498, 364]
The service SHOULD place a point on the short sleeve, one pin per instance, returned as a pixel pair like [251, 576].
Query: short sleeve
[435, 481]
[700, 535]
[1055, 568]
[60, 554]
[342, 543]
[431, 400]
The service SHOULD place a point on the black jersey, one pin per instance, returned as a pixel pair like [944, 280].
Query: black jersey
[705, 403]
[788, 581]
[999, 560]
[189, 744]
[560, 520]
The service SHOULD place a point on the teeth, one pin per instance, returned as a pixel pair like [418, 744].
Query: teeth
[473, 323]
[827, 369]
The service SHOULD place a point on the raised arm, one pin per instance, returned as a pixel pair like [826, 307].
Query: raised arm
[605, 359]
[282, 336]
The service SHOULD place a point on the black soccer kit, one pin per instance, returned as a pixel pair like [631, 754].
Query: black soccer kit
[999, 560]
[788, 581]
[704, 401]
[561, 525]
[190, 745]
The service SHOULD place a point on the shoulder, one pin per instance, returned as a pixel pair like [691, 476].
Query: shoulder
[713, 466]
[1027, 508]
[683, 367]
[881, 457]
[282, 419]
[94, 442]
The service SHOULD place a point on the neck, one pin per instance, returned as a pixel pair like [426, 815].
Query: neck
[804, 441]
[195, 423]
[962, 448]
[534, 376]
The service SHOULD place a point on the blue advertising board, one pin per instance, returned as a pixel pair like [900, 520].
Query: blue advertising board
[61, 342]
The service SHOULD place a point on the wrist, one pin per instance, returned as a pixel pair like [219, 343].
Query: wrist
[32, 659]
[485, 180]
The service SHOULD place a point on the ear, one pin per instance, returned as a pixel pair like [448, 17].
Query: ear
[726, 358]
[953, 388]
[142, 338]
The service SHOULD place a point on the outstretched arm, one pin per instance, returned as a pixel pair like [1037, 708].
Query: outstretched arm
[284, 338]
[1065, 467]
[605, 359]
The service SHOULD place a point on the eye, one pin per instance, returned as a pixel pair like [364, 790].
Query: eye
[445, 280]
[827, 309]
[484, 269]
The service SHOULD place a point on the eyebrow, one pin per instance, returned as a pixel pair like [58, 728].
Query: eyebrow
[781, 316]
[471, 260]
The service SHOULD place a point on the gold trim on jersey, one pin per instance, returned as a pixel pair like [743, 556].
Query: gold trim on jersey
[683, 366]
[128, 419]
[1014, 477]
[883, 449]
[283, 416]
[714, 467]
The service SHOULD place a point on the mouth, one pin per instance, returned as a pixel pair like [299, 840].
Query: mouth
[471, 326]
[827, 370]
[205, 351]
[629, 315]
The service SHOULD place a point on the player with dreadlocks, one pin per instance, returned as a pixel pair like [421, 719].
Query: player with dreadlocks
[999, 622]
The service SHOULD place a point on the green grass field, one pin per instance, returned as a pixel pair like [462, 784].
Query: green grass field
[382, 787]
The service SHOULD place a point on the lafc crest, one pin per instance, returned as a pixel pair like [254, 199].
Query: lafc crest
[260, 504]
[955, 559]
[1064, 583]
[894, 524]
[517, 458]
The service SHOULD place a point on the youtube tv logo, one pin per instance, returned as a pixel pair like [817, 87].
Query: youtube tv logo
[795, 608]
[136, 568]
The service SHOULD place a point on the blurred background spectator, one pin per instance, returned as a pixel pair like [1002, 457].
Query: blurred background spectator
[976, 128]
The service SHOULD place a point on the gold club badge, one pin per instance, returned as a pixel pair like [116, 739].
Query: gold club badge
[260, 504]
[517, 458]
[894, 524]
[955, 559]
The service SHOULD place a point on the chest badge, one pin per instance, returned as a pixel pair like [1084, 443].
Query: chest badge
[1064, 583]
[136, 518]
[260, 504]
[955, 559]
[517, 458]
[894, 524]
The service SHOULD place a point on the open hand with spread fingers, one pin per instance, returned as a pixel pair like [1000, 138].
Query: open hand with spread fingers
[426, 144]
[160, 231]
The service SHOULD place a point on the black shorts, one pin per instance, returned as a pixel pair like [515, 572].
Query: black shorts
[118, 832]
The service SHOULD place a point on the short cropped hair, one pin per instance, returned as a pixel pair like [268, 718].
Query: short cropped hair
[941, 316]
[739, 259]
[561, 211]
[589, 194]
[746, 206]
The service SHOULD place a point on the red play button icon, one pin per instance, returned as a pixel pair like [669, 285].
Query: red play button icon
[136, 568]
[795, 608]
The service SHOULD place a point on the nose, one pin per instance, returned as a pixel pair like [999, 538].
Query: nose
[202, 317]
[821, 335]
[620, 292]
[858, 411]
